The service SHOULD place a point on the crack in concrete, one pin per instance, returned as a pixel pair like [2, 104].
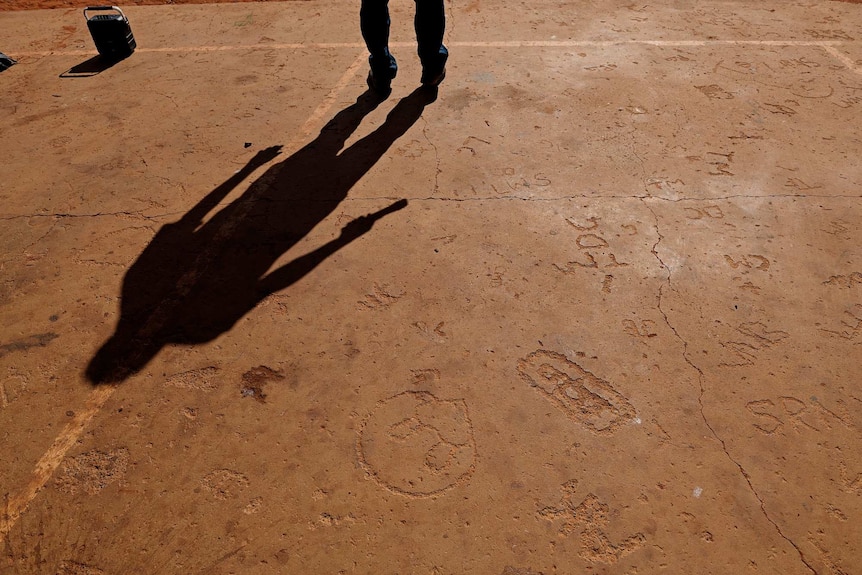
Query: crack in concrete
[61, 216]
[700, 378]
[451, 21]
[101, 263]
[608, 197]
[157, 217]
[33, 244]
[169, 97]
[437, 169]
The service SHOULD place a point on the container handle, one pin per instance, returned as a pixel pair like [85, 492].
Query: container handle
[102, 9]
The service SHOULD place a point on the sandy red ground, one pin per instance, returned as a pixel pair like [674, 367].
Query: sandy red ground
[10, 5]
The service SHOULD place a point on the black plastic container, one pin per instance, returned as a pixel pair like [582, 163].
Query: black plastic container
[6, 62]
[111, 32]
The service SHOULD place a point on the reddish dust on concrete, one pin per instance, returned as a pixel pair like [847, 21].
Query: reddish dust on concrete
[13, 5]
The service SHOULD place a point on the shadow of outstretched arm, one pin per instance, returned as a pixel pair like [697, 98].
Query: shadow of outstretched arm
[212, 199]
[290, 273]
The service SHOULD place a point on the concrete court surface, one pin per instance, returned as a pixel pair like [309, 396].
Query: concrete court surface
[616, 329]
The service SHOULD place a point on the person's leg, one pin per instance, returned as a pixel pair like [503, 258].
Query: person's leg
[374, 22]
[430, 24]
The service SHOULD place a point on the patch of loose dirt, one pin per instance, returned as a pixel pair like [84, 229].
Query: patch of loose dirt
[90, 472]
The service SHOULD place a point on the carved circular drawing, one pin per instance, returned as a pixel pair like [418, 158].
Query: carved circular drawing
[417, 445]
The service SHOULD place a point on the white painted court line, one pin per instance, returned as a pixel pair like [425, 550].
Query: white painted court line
[846, 60]
[313, 123]
[829, 46]
[606, 43]
[495, 44]
[16, 505]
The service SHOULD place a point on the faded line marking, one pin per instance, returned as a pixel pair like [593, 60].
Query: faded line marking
[17, 505]
[288, 46]
[313, 121]
[847, 61]
[825, 44]
[608, 43]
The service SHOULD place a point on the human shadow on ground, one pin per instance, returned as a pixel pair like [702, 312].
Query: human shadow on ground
[196, 279]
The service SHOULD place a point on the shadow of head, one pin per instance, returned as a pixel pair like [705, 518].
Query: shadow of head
[120, 358]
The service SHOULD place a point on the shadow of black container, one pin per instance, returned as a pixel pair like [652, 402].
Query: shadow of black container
[113, 37]
[111, 33]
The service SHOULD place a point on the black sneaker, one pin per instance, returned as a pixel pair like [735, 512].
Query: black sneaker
[432, 79]
[381, 86]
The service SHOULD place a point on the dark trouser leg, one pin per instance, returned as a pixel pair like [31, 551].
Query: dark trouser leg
[374, 22]
[430, 23]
